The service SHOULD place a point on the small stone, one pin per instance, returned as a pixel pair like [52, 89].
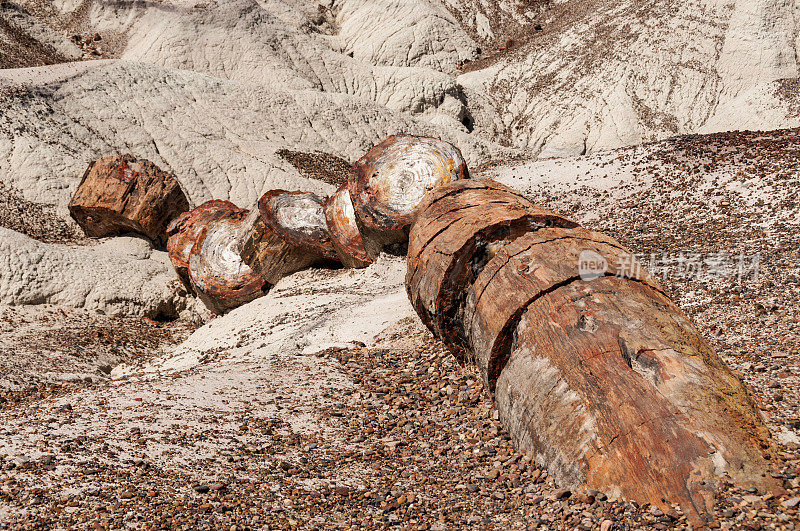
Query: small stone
[533, 499]
[201, 489]
[791, 503]
[493, 474]
[606, 525]
[217, 486]
[561, 494]
[473, 488]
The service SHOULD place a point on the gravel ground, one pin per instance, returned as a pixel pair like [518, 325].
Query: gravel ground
[43, 345]
[34, 220]
[323, 166]
[413, 443]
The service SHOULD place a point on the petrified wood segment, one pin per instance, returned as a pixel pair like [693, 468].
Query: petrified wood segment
[120, 194]
[523, 270]
[460, 227]
[352, 249]
[287, 234]
[610, 385]
[218, 274]
[594, 369]
[388, 183]
[184, 231]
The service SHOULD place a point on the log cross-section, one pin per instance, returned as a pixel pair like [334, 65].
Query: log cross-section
[287, 233]
[390, 181]
[184, 231]
[216, 270]
[353, 249]
[593, 369]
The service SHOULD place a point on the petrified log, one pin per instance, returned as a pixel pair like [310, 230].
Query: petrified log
[523, 270]
[287, 234]
[388, 183]
[463, 225]
[184, 231]
[345, 235]
[594, 370]
[121, 194]
[216, 270]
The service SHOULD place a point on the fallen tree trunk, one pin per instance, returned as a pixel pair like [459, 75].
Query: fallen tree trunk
[388, 183]
[219, 276]
[352, 249]
[184, 231]
[287, 233]
[594, 370]
[121, 194]
[463, 226]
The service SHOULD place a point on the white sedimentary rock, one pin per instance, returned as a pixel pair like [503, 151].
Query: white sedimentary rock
[122, 275]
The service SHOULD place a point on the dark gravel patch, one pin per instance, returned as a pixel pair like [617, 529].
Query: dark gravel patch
[33, 219]
[321, 166]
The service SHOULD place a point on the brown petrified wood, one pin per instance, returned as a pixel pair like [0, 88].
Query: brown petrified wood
[460, 227]
[594, 370]
[611, 386]
[121, 194]
[287, 234]
[388, 183]
[184, 231]
[352, 249]
[219, 276]
[523, 270]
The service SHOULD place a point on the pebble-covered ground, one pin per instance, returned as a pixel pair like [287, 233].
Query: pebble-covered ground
[34, 220]
[43, 345]
[409, 440]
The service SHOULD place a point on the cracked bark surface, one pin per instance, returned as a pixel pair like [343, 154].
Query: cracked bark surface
[594, 371]
[121, 193]
[462, 225]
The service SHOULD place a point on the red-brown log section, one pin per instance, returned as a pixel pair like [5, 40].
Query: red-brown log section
[184, 231]
[594, 370]
[463, 225]
[345, 235]
[121, 194]
[532, 264]
[287, 234]
[388, 183]
[219, 276]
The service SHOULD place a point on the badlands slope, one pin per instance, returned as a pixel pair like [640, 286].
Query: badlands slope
[326, 403]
